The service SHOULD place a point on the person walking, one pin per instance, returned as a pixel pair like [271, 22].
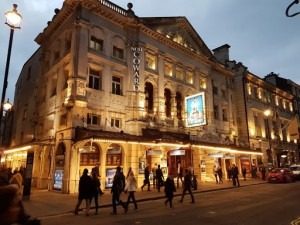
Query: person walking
[220, 175]
[116, 190]
[159, 178]
[85, 191]
[96, 190]
[244, 171]
[235, 175]
[215, 171]
[169, 190]
[263, 173]
[187, 186]
[131, 186]
[179, 174]
[154, 176]
[146, 178]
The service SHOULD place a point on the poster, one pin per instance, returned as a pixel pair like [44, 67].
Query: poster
[195, 110]
[58, 179]
[110, 173]
[141, 166]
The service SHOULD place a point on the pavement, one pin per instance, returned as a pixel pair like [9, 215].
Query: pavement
[44, 203]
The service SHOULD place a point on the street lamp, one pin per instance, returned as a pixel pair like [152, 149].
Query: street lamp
[13, 20]
[267, 114]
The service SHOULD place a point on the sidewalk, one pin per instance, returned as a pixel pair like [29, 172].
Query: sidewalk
[45, 203]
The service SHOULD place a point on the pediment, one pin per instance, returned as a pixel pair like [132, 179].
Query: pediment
[179, 30]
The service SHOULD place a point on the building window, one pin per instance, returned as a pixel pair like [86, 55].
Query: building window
[95, 80]
[179, 105]
[63, 120]
[202, 83]
[179, 73]
[258, 131]
[215, 90]
[168, 102]
[189, 77]
[150, 61]
[118, 52]
[149, 97]
[89, 155]
[115, 122]
[53, 87]
[93, 119]
[224, 93]
[96, 44]
[114, 155]
[216, 112]
[168, 69]
[116, 85]
[224, 115]
[249, 89]
[291, 106]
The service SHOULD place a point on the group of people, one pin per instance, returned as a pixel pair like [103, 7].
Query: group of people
[89, 188]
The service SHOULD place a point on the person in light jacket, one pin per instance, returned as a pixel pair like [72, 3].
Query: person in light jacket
[131, 186]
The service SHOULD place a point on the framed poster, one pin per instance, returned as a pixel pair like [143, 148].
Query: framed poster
[142, 166]
[58, 179]
[110, 173]
[195, 110]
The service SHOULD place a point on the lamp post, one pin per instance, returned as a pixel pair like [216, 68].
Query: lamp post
[267, 114]
[13, 20]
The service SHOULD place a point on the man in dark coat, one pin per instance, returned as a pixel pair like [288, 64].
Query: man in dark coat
[169, 190]
[187, 186]
[235, 175]
[116, 190]
[85, 191]
[146, 178]
[159, 178]
[96, 189]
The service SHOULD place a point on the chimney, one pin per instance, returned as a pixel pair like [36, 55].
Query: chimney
[222, 53]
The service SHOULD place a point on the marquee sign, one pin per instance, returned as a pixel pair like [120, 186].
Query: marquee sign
[136, 66]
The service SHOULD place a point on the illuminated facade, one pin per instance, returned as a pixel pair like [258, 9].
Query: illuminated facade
[107, 87]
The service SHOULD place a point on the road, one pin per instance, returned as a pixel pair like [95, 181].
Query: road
[267, 204]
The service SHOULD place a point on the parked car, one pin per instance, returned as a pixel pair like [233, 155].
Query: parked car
[281, 175]
[295, 170]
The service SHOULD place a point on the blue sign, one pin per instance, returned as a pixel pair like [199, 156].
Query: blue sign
[195, 110]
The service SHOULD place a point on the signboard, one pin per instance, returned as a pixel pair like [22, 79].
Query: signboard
[153, 152]
[177, 152]
[136, 51]
[58, 179]
[195, 110]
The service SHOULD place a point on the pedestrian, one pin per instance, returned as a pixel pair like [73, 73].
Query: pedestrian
[131, 186]
[244, 171]
[96, 189]
[85, 191]
[235, 175]
[263, 173]
[179, 174]
[187, 186]
[159, 178]
[117, 189]
[169, 190]
[146, 178]
[229, 173]
[220, 175]
[215, 171]
[154, 176]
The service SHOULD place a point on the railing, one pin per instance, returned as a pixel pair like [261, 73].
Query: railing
[114, 7]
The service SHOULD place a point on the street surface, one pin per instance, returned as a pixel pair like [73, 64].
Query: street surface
[266, 204]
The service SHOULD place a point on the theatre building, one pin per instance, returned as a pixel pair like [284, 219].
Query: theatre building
[107, 87]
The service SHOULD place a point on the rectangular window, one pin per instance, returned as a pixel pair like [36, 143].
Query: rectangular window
[168, 69]
[116, 85]
[63, 120]
[115, 122]
[215, 90]
[95, 79]
[190, 77]
[216, 112]
[257, 126]
[150, 61]
[179, 73]
[224, 115]
[118, 52]
[202, 83]
[224, 93]
[93, 119]
[96, 44]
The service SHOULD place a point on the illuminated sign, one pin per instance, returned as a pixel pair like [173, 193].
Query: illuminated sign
[195, 110]
[136, 66]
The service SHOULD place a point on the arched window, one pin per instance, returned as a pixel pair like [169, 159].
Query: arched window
[179, 105]
[114, 155]
[89, 154]
[168, 102]
[60, 155]
[149, 97]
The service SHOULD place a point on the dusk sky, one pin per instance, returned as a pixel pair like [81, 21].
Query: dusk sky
[259, 33]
